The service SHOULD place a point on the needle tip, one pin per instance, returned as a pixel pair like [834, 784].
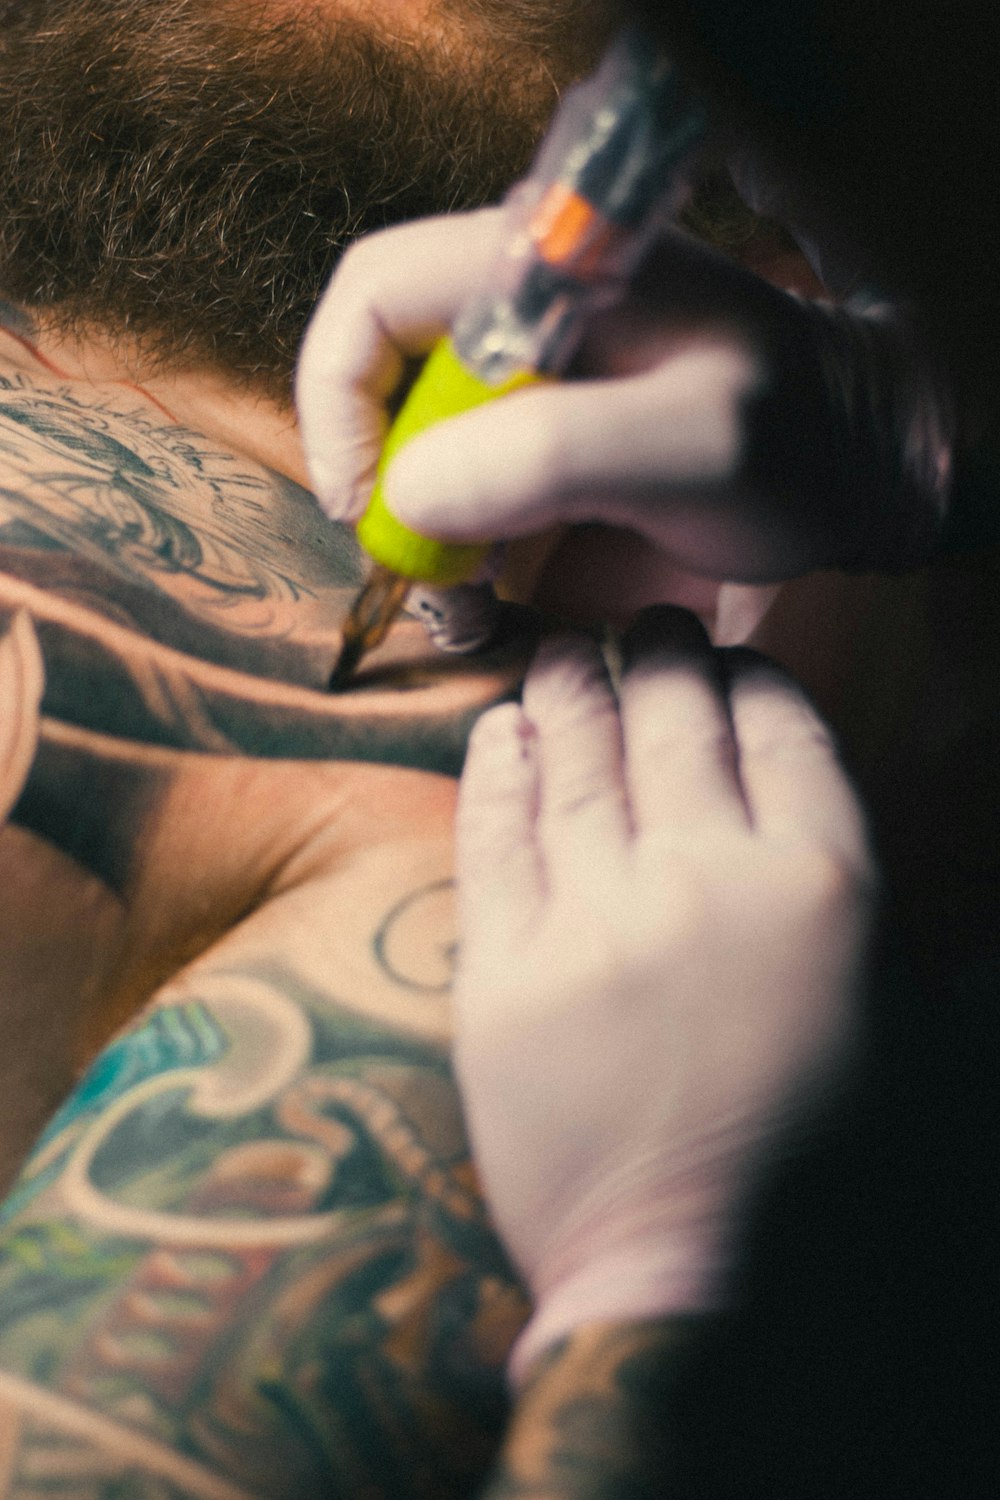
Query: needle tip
[375, 608]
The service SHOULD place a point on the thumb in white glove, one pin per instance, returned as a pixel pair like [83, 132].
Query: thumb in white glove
[663, 905]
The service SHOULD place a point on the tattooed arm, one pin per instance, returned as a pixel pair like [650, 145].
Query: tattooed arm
[595, 1420]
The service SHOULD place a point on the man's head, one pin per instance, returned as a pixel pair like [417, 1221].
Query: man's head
[186, 172]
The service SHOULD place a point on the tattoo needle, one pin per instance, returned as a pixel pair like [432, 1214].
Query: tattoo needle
[371, 615]
[603, 183]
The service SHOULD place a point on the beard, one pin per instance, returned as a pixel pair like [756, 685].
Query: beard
[184, 174]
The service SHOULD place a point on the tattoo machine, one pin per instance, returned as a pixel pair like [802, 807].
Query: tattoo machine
[602, 186]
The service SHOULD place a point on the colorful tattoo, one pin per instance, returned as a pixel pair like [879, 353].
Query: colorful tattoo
[249, 1257]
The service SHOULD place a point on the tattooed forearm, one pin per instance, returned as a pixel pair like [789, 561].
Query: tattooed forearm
[596, 1418]
[249, 1257]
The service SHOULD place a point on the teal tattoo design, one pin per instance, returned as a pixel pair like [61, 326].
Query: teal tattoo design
[251, 1242]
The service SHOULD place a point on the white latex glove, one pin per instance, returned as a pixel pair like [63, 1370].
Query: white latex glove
[664, 905]
[751, 434]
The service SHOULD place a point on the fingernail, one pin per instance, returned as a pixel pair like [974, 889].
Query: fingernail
[573, 660]
[664, 627]
[504, 734]
[460, 619]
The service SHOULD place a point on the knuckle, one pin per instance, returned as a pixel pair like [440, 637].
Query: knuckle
[773, 712]
[547, 452]
[581, 760]
[676, 744]
[480, 819]
[347, 289]
[499, 764]
[823, 881]
[502, 735]
[358, 261]
[794, 734]
[567, 676]
[366, 274]
[677, 897]
[575, 792]
[495, 728]
[676, 923]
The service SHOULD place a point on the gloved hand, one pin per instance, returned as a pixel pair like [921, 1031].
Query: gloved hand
[751, 434]
[663, 908]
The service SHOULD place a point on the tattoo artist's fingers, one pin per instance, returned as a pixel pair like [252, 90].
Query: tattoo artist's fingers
[391, 297]
[794, 785]
[583, 810]
[679, 750]
[583, 450]
[22, 679]
[500, 887]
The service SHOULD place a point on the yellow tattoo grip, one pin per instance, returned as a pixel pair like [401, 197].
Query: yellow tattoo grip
[444, 388]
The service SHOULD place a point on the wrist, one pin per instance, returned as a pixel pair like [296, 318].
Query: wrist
[597, 1416]
[894, 414]
[633, 1284]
